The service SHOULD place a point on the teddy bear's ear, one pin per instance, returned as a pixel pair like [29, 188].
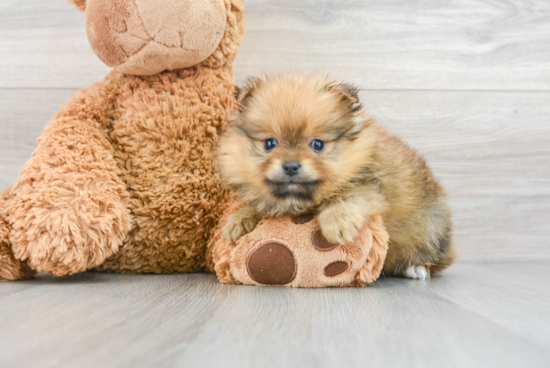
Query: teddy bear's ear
[80, 4]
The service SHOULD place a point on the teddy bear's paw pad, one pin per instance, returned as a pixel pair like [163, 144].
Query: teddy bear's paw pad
[303, 219]
[322, 243]
[271, 264]
[336, 268]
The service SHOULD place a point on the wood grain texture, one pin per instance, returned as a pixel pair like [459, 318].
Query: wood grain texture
[491, 151]
[494, 315]
[23, 116]
[432, 44]
[43, 44]
[456, 44]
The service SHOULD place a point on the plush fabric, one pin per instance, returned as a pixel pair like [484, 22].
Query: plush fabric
[145, 37]
[260, 257]
[122, 178]
[10, 268]
[80, 4]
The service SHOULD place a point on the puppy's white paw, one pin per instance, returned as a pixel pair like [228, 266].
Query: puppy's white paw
[417, 272]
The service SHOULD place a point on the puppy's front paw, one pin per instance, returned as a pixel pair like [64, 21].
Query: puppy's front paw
[239, 223]
[341, 223]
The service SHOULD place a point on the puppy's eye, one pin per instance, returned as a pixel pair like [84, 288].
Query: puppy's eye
[270, 144]
[317, 145]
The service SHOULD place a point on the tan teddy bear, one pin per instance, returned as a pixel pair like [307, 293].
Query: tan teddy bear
[122, 178]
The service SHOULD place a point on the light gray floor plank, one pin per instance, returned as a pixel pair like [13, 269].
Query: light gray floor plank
[516, 296]
[473, 316]
[23, 116]
[490, 149]
[466, 44]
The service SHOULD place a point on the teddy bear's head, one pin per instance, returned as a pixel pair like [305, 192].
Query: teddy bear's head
[145, 37]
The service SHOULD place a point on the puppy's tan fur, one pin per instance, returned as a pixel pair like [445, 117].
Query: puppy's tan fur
[362, 171]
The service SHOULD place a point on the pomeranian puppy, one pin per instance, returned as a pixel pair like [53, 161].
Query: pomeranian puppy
[302, 144]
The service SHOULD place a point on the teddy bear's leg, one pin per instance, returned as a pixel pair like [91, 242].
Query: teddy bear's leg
[375, 260]
[68, 208]
[10, 268]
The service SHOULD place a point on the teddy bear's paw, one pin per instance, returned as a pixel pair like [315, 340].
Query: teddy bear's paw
[273, 263]
[417, 272]
[341, 223]
[11, 268]
[71, 238]
[239, 224]
[293, 252]
[72, 251]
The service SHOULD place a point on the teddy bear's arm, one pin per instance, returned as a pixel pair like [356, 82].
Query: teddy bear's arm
[372, 268]
[68, 207]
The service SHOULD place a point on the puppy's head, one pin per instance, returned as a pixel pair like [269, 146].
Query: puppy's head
[295, 141]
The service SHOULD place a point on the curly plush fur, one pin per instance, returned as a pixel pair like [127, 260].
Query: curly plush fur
[123, 179]
[80, 4]
[10, 268]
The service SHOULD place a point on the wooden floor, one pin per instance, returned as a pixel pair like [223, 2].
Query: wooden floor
[467, 82]
[494, 315]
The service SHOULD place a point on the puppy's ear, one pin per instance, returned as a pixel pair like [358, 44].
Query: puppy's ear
[238, 91]
[349, 101]
[80, 4]
[245, 93]
[349, 95]
[352, 94]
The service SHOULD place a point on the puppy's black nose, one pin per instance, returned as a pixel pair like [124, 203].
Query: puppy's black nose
[292, 168]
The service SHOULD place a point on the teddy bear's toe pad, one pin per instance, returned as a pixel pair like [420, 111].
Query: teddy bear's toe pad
[322, 243]
[335, 268]
[303, 219]
[271, 264]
